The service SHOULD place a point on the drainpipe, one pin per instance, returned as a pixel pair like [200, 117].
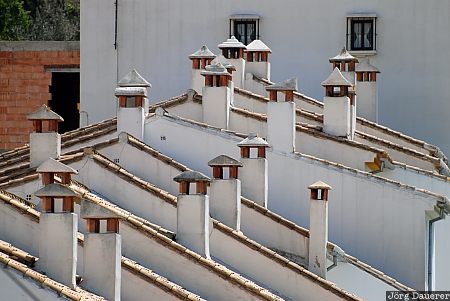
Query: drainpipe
[431, 247]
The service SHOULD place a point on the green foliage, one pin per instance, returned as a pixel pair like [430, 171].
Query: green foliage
[14, 20]
[40, 20]
[56, 20]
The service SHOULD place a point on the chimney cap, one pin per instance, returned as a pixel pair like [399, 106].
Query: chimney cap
[191, 176]
[231, 43]
[319, 185]
[51, 165]
[55, 190]
[287, 85]
[44, 113]
[215, 69]
[203, 53]
[131, 91]
[343, 56]
[133, 79]
[221, 59]
[336, 79]
[258, 45]
[224, 160]
[365, 66]
[253, 141]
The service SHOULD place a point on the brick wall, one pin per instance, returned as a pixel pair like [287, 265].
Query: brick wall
[24, 86]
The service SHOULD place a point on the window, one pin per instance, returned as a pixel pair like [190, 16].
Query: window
[245, 31]
[361, 33]
[245, 28]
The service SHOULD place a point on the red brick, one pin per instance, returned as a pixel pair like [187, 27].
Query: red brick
[5, 61]
[7, 54]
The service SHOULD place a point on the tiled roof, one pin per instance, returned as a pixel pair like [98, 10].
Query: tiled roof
[77, 295]
[160, 237]
[283, 261]
[17, 254]
[132, 266]
[359, 120]
[162, 282]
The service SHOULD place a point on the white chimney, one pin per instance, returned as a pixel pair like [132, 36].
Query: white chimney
[132, 104]
[345, 62]
[102, 252]
[233, 50]
[257, 59]
[200, 59]
[281, 116]
[230, 68]
[318, 229]
[193, 221]
[58, 235]
[337, 119]
[366, 90]
[253, 174]
[45, 142]
[217, 94]
[225, 192]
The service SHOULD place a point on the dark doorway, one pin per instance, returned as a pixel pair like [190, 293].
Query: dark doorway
[65, 90]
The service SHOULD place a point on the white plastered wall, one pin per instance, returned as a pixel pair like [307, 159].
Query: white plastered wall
[376, 214]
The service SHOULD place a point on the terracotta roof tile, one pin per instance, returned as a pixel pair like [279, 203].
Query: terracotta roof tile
[78, 294]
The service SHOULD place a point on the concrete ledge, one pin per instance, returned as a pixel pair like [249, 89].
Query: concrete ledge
[39, 45]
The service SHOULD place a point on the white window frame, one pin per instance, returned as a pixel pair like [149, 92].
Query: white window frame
[362, 17]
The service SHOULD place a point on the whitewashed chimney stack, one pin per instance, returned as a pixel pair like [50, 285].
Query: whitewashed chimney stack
[58, 224]
[233, 50]
[366, 90]
[200, 59]
[132, 104]
[193, 220]
[225, 192]
[281, 116]
[45, 142]
[102, 252]
[253, 174]
[346, 63]
[318, 228]
[217, 95]
[337, 117]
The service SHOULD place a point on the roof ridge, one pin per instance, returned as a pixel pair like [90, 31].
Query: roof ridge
[362, 120]
[283, 260]
[154, 153]
[126, 215]
[77, 294]
[17, 254]
[162, 282]
[305, 232]
[134, 179]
